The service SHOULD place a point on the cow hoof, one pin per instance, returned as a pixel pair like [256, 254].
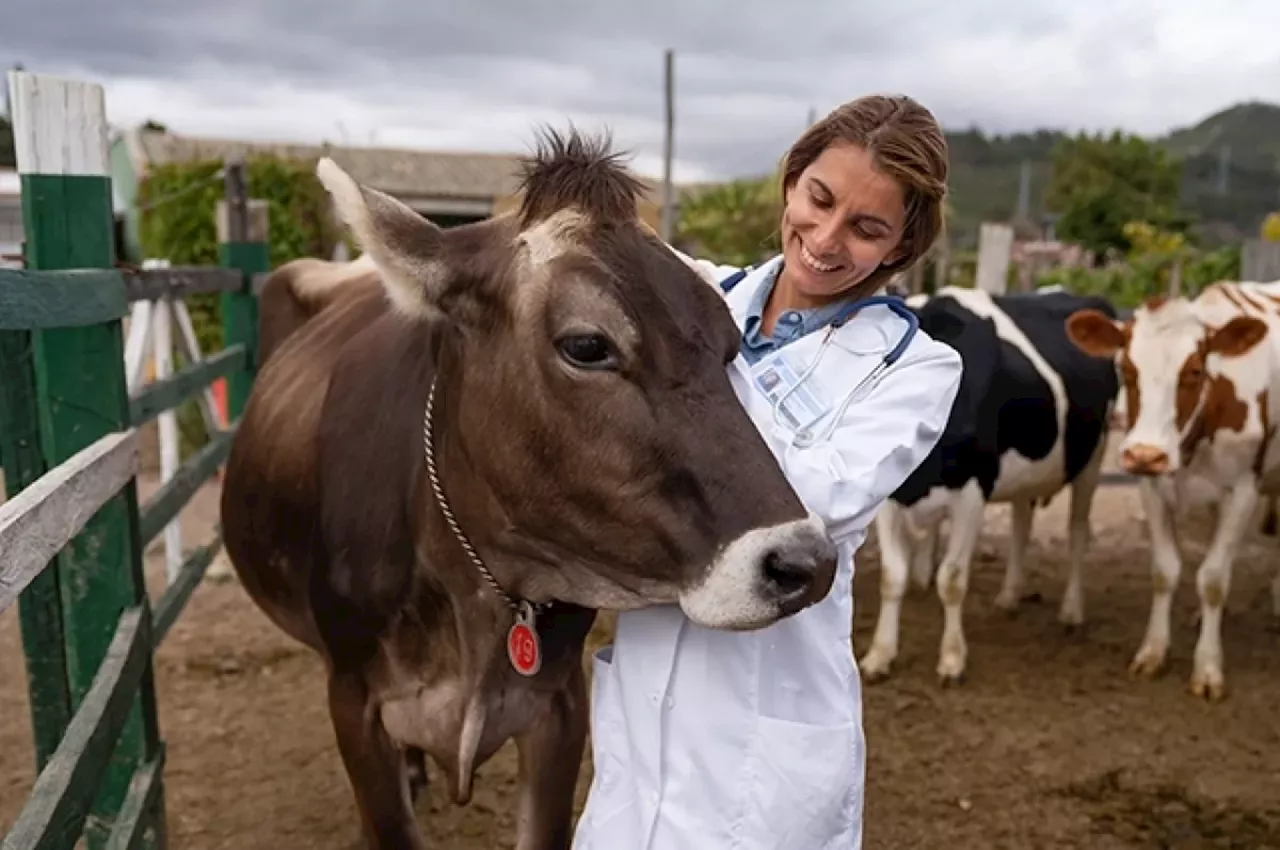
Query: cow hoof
[1008, 602]
[951, 680]
[1147, 664]
[1208, 686]
[875, 677]
[875, 665]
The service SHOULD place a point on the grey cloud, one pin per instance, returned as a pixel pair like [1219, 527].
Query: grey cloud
[747, 71]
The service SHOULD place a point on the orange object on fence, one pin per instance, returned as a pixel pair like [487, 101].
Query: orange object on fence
[220, 402]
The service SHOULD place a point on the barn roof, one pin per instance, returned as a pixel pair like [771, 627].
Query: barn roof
[400, 172]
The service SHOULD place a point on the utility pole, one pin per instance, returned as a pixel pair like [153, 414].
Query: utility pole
[668, 200]
[1023, 213]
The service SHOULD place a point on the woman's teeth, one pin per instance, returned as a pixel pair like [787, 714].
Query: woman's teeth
[812, 262]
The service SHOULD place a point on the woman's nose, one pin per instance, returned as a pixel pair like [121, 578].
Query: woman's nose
[825, 236]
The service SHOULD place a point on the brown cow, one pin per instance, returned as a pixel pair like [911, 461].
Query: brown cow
[527, 418]
[1202, 398]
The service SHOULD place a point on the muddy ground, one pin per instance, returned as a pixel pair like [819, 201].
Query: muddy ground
[1048, 743]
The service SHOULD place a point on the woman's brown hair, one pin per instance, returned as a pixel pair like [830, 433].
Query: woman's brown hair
[906, 143]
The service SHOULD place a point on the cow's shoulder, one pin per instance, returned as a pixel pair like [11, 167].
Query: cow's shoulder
[370, 455]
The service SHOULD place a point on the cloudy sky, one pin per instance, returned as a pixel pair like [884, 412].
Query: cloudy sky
[479, 74]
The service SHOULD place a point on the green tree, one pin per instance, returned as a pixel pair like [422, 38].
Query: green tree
[734, 222]
[1101, 183]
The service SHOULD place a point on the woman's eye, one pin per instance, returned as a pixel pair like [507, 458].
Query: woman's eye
[587, 351]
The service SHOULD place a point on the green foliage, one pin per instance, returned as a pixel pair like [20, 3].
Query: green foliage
[1147, 267]
[180, 224]
[179, 203]
[734, 223]
[1102, 183]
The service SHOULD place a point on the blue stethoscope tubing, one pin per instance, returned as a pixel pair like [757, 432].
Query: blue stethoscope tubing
[893, 303]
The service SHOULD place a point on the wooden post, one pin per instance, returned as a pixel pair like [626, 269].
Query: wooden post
[1260, 261]
[668, 144]
[1175, 279]
[942, 270]
[60, 136]
[242, 244]
[40, 608]
[995, 247]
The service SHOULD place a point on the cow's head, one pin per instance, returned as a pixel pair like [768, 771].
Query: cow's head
[583, 397]
[1169, 360]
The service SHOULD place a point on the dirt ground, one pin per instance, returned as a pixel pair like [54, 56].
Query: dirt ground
[1047, 744]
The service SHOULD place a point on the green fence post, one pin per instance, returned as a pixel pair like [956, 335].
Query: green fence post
[60, 137]
[39, 608]
[242, 244]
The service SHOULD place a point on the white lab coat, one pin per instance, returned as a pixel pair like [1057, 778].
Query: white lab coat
[713, 740]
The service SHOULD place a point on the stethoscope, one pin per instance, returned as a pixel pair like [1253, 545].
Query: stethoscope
[805, 438]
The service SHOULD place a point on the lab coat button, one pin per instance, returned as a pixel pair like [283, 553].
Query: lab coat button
[670, 702]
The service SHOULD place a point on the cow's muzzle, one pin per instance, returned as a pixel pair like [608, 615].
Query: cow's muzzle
[763, 576]
[1144, 459]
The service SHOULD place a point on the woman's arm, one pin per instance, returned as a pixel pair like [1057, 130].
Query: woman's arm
[879, 442]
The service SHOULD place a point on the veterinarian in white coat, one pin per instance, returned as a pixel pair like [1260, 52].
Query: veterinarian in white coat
[711, 740]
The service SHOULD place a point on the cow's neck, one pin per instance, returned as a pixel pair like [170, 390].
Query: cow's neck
[464, 510]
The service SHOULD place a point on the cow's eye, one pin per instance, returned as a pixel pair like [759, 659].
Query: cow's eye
[587, 351]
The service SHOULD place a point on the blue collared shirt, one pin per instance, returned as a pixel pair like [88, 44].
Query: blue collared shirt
[789, 326]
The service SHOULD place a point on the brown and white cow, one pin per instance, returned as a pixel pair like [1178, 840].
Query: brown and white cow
[1202, 400]
[527, 414]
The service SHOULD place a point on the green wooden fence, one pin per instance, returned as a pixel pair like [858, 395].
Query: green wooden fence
[72, 533]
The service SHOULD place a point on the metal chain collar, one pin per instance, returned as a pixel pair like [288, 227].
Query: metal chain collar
[522, 608]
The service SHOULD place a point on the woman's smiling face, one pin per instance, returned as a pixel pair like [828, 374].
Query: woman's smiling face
[843, 218]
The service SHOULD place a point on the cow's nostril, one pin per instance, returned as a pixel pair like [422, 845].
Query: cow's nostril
[1144, 460]
[787, 574]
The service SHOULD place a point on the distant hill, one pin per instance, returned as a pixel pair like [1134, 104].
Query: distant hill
[1245, 138]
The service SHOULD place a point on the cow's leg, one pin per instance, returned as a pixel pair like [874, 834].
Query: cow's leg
[1271, 520]
[1213, 581]
[895, 540]
[1071, 612]
[415, 762]
[1166, 569]
[550, 754]
[1275, 601]
[375, 767]
[924, 555]
[1010, 594]
[953, 581]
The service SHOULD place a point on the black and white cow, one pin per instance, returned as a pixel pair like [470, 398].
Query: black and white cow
[1030, 419]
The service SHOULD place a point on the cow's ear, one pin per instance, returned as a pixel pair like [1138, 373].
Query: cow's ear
[403, 244]
[1237, 336]
[1095, 333]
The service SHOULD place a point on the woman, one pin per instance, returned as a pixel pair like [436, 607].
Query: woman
[712, 740]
